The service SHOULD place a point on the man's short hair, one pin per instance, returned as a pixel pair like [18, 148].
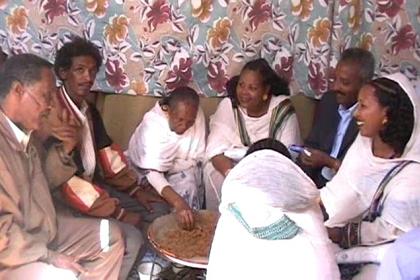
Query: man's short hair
[75, 48]
[363, 58]
[24, 68]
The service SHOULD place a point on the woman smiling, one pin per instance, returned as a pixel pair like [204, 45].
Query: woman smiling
[375, 196]
[258, 108]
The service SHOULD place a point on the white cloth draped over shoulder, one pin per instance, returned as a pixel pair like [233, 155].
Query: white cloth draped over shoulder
[224, 138]
[351, 191]
[349, 194]
[265, 186]
[167, 158]
[224, 132]
[87, 150]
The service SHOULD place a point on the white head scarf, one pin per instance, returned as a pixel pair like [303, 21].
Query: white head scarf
[154, 146]
[267, 182]
[412, 149]
[350, 192]
[266, 186]
[269, 178]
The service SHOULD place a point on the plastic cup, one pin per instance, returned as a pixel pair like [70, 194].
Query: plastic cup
[177, 267]
[145, 270]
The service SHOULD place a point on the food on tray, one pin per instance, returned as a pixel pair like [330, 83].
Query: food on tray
[194, 243]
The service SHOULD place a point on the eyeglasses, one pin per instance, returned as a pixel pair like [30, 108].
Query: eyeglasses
[40, 101]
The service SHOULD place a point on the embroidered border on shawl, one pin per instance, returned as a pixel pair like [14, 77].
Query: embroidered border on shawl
[278, 115]
[284, 228]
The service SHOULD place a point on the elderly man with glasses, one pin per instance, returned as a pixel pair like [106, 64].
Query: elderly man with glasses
[37, 240]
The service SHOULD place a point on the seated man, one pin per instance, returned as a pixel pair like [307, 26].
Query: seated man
[168, 147]
[100, 184]
[35, 241]
[334, 127]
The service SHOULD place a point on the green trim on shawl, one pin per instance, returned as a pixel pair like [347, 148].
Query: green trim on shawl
[243, 134]
[284, 228]
[279, 114]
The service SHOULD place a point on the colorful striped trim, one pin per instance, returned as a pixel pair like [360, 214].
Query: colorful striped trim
[284, 228]
[279, 114]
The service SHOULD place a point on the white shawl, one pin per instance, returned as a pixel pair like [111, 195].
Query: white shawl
[264, 186]
[87, 151]
[154, 146]
[224, 133]
[264, 178]
[350, 192]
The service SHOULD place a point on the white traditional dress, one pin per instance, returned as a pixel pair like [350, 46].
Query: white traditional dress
[348, 196]
[225, 138]
[168, 159]
[402, 259]
[271, 226]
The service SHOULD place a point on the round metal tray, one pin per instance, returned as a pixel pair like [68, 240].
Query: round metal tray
[157, 232]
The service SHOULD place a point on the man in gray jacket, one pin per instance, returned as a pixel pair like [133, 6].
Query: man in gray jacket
[35, 240]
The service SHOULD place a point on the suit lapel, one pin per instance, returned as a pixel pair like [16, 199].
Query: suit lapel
[349, 137]
[332, 130]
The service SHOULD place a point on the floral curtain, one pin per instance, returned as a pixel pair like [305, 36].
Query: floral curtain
[152, 46]
[390, 29]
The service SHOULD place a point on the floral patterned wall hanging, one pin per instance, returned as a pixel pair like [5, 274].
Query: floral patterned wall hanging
[390, 29]
[152, 46]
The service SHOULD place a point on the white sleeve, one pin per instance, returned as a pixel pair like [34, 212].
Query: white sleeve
[157, 180]
[342, 203]
[363, 254]
[379, 231]
[222, 130]
[290, 132]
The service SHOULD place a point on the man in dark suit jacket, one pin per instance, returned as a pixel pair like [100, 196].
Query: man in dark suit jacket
[334, 127]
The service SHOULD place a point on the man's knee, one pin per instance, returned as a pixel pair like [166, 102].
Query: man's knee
[37, 271]
[159, 209]
[133, 238]
[115, 234]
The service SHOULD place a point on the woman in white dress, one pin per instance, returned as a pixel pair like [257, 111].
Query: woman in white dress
[375, 196]
[258, 108]
[167, 149]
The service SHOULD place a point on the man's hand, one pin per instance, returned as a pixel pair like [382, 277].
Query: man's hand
[146, 197]
[317, 159]
[132, 218]
[66, 262]
[68, 131]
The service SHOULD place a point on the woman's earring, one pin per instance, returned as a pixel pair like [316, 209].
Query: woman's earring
[384, 121]
[265, 97]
